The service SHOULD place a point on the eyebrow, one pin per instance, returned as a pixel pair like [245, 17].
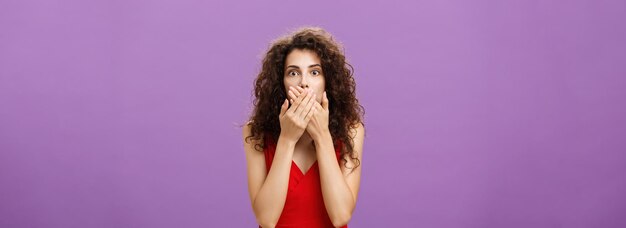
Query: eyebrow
[294, 66]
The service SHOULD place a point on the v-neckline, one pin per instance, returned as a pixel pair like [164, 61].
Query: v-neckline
[300, 171]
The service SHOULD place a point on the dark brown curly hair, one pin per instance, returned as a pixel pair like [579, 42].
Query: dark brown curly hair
[345, 112]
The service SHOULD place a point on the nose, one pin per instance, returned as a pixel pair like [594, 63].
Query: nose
[304, 82]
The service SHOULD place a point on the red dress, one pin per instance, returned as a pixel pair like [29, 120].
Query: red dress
[304, 206]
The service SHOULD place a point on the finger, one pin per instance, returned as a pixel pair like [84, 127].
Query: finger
[309, 106]
[295, 103]
[310, 114]
[300, 89]
[295, 91]
[292, 95]
[302, 105]
[283, 108]
[302, 108]
[325, 101]
[319, 106]
[300, 97]
[292, 108]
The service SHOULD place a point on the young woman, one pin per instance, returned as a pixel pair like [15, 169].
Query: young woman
[306, 119]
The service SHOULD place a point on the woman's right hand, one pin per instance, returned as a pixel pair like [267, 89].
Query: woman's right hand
[293, 120]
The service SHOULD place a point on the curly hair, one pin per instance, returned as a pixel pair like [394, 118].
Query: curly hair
[345, 112]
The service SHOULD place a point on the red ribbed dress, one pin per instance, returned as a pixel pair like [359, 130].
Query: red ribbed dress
[304, 206]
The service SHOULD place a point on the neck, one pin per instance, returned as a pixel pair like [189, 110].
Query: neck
[305, 139]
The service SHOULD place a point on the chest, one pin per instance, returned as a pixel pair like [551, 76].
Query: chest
[304, 158]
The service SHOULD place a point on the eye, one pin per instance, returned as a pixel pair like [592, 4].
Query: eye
[316, 72]
[293, 73]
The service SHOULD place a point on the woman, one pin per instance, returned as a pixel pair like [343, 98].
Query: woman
[306, 119]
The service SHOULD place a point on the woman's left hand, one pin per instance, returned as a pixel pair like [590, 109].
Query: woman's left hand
[318, 125]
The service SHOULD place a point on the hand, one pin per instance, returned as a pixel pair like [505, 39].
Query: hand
[318, 125]
[293, 121]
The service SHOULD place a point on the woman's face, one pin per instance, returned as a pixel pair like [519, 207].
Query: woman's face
[303, 69]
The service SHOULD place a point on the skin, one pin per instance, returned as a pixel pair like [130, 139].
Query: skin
[303, 70]
[304, 138]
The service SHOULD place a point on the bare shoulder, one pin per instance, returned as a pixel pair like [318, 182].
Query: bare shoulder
[249, 142]
[255, 163]
[247, 131]
[357, 133]
[247, 128]
[357, 130]
[353, 167]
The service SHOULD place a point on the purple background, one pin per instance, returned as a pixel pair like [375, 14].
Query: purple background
[478, 113]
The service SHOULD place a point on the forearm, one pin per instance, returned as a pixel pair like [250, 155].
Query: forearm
[269, 202]
[338, 198]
